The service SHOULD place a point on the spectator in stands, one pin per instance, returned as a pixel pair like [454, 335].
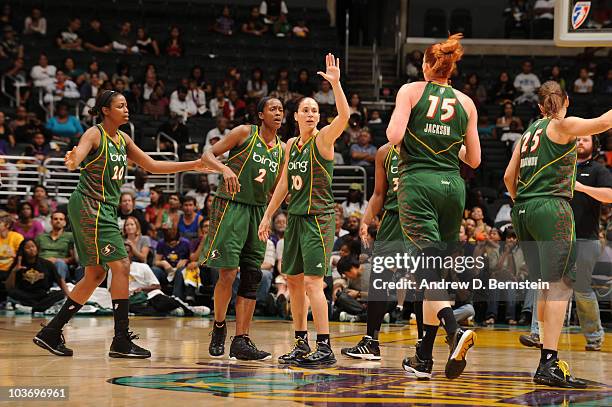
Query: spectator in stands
[198, 75]
[282, 73]
[40, 148]
[272, 10]
[239, 106]
[480, 226]
[355, 107]
[139, 188]
[181, 106]
[300, 30]
[220, 131]
[63, 127]
[189, 220]
[32, 278]
[43, 74]
[94, 68]
[44, 215]
[123, 73]
[255, 24]
[127, 208]
[32, 125]
[198, 98]
[363, 153]
[41, 195]
[201, 191]
[62, 88]
[172, 214]
[279, 225]
[139, 243]
[12, 206]
[257, 87]
[156, 207]
[134, 98]
[511, 136]
[583, 84]
[503, 122]
[225, 23]
[19, 122]
[207, 210]
[375, 117]
[6, 133]
[283, 93]
[19, 74]
[353, 130]
[172, 255]
[57, 246]
[26, 225]
[503, 90]
[124, 41]
[414, 67]
[220, 105]
[158, 103]
[303, 86]
[73, 73]
[517, 19]
[69, 38]
[174, 46]
[282, 27]
[149, 85]
[352, 226]
[485, 128]
[96, 39]
[480, 93]
[527, 84]
[9, 245]
[555, 75]
[35, 23]
[354, 201]
[146, 44]
[10, 47]
[325, 96]
[175, 129]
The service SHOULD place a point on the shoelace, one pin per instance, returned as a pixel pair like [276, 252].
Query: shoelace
[564, 367]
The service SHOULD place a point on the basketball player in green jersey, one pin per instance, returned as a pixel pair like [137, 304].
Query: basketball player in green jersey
[432, 121]
[389, 234]
[102, 155]
[255, 158]
[309, 237]
[540, 178]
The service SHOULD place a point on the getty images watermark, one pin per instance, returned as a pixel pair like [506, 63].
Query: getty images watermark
[404, 263]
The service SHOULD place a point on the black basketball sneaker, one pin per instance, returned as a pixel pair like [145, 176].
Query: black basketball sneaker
[52, 340]
[216, 349]
[415, 367]
[366, 349]
[243, 348]
[124, 347]
[459, 343]
[531, 341]
[321, 356]
[300, 347]
[556, 373]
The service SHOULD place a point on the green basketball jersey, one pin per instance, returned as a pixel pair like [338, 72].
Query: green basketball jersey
[435, 132]
[256, 166]
[103, 171]
[310, 180]
[546, 168]
[391, 166]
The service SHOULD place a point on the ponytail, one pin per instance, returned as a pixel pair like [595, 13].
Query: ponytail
[103, 99]
[442, 57]
[551, 99]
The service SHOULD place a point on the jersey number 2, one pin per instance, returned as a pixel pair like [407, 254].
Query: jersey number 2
[448, 108]
[262, 174]
[118, 174]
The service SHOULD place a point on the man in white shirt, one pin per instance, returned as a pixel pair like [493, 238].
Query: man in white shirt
[220, 131]
[43, 74]
[181, 106]
[197, 96]
[527, 84]
[583, 84]
[149, 85]
[325, 96]
[61, 88]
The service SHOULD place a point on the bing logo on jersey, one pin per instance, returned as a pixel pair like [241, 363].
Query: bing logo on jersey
[108, 250]
[272, 166]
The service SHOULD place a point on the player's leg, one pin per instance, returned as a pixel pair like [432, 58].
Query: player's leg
[221, 250]
[551, 223]
[317, 239]
[293, 268]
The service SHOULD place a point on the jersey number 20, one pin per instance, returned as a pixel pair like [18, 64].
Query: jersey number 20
[118, 173]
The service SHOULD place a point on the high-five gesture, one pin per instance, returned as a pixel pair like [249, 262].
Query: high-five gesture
[70, 159]
[332, 73]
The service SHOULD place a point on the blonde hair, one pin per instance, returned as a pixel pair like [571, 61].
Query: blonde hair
[551, 98]
[138, 229]
[442, 57]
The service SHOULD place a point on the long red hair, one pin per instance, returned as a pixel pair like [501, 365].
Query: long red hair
[442, 57]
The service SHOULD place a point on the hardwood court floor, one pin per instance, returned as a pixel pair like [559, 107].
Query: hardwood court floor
[181, 373]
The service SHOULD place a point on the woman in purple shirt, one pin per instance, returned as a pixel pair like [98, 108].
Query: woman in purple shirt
[26, 225]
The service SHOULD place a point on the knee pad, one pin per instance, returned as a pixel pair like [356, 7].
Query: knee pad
[249, 282]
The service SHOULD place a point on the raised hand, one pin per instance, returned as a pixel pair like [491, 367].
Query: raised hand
[332, 65]
[70, 159]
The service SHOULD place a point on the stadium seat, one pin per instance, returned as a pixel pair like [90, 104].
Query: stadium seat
[461, 22]
[435, 23]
